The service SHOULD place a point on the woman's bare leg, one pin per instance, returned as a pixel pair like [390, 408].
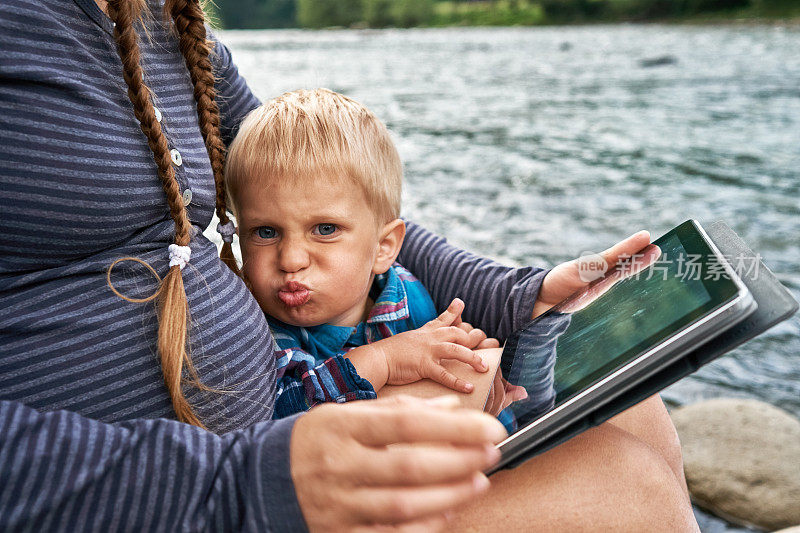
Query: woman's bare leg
[605, 479]
[650, 422]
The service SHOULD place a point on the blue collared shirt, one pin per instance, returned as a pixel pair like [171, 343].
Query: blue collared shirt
[312, 366]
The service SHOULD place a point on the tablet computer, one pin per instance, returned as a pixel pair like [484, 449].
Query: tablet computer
[623, 329]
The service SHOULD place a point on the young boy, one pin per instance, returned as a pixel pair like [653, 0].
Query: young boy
[315, 182]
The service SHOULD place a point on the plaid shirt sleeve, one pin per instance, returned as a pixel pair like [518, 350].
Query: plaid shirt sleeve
[304, 383]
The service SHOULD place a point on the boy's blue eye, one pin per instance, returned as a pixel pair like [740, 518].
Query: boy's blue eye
[326, 229]
[266, 232]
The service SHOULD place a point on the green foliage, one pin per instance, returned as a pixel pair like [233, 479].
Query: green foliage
[377, 13]
[488, 13]
[252, 14]
[779, 8]
[572, 10]
[665, 9]
[642, 9]
[324, 13]
[408, 13]
[692, 7]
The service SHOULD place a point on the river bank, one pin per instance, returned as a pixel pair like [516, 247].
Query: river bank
[319, 14]
[552, 13]
[536, 144]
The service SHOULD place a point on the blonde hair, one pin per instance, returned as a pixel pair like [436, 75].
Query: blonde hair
[307, 133]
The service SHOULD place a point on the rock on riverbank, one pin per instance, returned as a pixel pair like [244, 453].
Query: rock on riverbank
[742, 461]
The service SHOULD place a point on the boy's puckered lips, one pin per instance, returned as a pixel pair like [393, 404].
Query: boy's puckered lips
[294, 294]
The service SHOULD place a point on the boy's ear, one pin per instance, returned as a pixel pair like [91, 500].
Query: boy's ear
[390, 241]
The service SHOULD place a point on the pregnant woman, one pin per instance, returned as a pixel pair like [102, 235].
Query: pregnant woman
[113, 143]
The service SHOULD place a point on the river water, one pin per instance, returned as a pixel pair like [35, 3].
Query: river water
[533, 145]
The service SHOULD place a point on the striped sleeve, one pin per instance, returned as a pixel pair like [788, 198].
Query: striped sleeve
[64, 472]
[234, 97]
[498, 299]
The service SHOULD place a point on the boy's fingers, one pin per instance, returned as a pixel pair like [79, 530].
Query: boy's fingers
[476, 336]
[466, 326]
[458, 335]
[488, 407]
[449, 350]
[516, 393]
[488, 343]
[440, 374]
[454, 334]
[450, 316]
[495, 399]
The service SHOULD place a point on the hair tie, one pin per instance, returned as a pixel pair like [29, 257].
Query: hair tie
[227, 230]
[179, 255]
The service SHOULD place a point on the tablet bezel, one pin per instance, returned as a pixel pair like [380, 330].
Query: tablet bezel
[718, 319]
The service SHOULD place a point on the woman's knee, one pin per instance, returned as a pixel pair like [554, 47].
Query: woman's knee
[603, 480]
[650, 481]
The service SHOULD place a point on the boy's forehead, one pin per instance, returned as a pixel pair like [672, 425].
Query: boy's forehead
[329, 193]
[265, 178]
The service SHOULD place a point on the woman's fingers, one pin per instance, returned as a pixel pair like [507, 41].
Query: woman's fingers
[420, 423]
[626, 248]
[399, 463]
[404, 504]
[422, 464]
[426, 525]
[430, 524]
[348, 474]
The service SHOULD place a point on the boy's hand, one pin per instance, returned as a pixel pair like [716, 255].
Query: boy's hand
[565, 279]
[417, 354]
[502, 394]
[477, 336]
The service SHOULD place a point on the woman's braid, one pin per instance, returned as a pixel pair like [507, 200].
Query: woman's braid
[195, 47]
[172, 304]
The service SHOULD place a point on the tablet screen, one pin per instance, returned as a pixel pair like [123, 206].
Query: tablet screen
[618, 317]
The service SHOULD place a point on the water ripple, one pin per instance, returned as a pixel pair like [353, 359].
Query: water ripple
[531, 151]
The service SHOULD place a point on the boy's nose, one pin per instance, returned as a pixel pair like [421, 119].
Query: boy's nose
[292, 256]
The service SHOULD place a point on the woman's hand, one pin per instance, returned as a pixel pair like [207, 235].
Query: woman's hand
[403, 462]
[567, 278]
[417, 354]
